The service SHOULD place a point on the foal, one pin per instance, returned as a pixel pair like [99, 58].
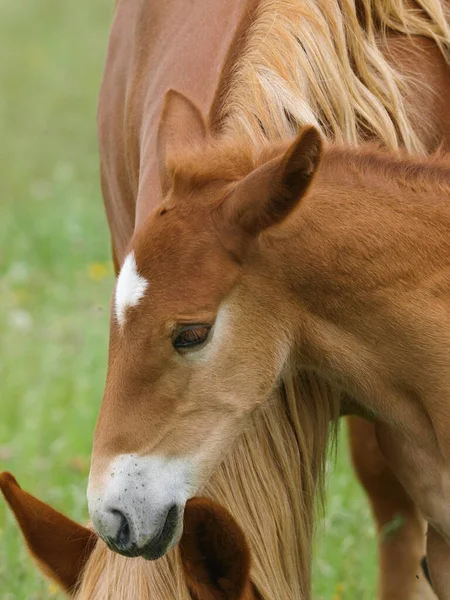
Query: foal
[214, 553]
[335, 262]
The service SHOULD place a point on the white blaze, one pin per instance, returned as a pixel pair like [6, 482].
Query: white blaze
[130, 287]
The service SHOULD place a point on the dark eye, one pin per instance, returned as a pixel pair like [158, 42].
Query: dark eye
[190, 336]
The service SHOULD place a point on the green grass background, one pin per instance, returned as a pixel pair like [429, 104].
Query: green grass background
[55, 281]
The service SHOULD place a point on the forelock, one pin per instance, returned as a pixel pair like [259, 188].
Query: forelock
[226, 160]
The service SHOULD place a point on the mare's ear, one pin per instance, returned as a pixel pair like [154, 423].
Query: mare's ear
[60, 546]
[181, 126]
[272, 191]
[214, 553]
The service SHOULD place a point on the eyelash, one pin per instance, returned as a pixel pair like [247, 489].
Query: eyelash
[191, 336]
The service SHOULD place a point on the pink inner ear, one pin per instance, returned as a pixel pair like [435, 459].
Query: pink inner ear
[60, 545]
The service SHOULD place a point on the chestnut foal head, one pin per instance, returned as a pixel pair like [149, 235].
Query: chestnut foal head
[196, 342]
[214, 554]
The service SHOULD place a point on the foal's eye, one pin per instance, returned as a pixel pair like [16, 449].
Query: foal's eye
[190, 336]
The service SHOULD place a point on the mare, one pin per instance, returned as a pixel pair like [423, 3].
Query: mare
[214, 555]
[212, 382]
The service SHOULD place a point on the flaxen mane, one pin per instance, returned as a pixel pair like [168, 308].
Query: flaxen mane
[311, 62]
[302, 61]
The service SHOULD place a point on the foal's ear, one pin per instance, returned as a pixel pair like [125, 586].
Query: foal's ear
[214, 553]
[272, 191]
[60, 546]
[181, 126]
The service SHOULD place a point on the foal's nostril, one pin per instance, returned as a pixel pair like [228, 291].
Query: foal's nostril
[123, 535]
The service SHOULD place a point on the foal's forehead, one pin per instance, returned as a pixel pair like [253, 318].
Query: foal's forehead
[176, 261]
[169, 279]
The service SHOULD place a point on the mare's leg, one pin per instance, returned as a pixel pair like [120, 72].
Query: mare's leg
[401, 530]
[422, 469]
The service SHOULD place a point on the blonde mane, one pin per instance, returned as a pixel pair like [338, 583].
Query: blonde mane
[302, 61]
[311, 62]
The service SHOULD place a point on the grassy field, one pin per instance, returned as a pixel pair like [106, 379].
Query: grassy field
[55, 280]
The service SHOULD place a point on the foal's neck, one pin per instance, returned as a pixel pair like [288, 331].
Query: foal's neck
[375, 167]
[366, 257]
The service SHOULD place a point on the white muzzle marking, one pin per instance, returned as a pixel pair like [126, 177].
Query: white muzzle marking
[142, 490]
